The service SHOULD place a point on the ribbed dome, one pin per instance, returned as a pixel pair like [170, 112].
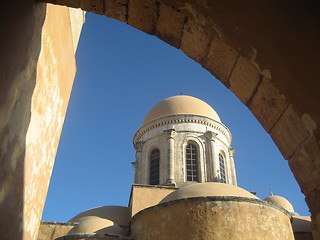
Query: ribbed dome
[181, 104]
[208, 189]
[280, 201]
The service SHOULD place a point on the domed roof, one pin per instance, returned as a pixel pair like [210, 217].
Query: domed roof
[208, 189]
[181, 104]
[91, 224]
[119, 215]
[280, 201]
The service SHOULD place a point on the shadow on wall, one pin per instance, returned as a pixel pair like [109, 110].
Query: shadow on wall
[21, 25]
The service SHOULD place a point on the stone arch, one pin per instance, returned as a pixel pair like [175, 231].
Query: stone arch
[261, 59]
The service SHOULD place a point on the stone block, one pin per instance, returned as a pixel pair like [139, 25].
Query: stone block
[143, 15]
[68, 3]
[267, 104]
[288, 133]
[305, 165]
[244, 79]
[170, 25]
[97, 6]
[85, 5]
[196, 38]
[220, 60]
[116, 9]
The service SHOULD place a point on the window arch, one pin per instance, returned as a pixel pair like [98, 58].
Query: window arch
[154, 166]
[222, 168]
[192, 162]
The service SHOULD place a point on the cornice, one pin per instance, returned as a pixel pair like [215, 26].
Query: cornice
[182, 118]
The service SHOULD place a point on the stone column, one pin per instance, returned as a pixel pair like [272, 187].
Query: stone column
[214, 164]
[138, 164]
[233, 169]
[170, 133]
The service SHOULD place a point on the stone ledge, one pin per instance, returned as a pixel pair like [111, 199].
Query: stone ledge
[216, 199]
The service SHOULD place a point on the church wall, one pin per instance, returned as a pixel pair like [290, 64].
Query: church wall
[210, 218]
[53, 230]
[189, 128]
[146, 196]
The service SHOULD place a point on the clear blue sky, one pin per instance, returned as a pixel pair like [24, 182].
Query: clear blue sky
[122, 72]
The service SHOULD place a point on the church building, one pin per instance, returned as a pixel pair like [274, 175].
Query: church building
[185, 187]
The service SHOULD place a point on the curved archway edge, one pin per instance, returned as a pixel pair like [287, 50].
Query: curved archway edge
[265, 53]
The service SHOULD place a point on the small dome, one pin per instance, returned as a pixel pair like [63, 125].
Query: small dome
[280, 201]
[119, 215]
[90, 224]
[208, 189]
[181, 104]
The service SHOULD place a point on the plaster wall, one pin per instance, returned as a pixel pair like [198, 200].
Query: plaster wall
[53, 230]
[205, 218]
[146, 196]
[37, 77]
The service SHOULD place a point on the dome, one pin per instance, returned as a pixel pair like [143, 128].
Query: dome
[90, 225]
[208, 189]
[119, 215]
[181, 104]
[280, 201]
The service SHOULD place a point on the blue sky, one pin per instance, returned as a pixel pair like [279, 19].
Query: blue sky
[122, 73]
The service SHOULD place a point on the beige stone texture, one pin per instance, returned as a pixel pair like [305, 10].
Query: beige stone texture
[116, 9]
[267, 104]
[143, 15]
[170, 25]
[244, 79]
[280, 201]
[55, 73]
[119, 215]
[305, 164]
[208, 189]
[143, 196]
[181, 104]
[77, 16]
[288, 133]
[197, 36]
[220, 60]
[53, 230]
[38, 103]
[93, 224]
[205, 218]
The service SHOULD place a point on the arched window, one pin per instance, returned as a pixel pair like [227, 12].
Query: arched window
[154, 166]
[222, 168]
[192, 163]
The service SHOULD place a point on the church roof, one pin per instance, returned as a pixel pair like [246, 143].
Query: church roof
[280, 201]
[208, 189]
[181, 104]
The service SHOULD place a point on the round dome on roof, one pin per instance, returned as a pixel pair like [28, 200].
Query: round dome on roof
[280, 201]
[208, 189]
[181, 104]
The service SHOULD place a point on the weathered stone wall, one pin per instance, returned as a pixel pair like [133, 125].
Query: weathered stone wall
[212, 218]
[37, 72]
[53, 230]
